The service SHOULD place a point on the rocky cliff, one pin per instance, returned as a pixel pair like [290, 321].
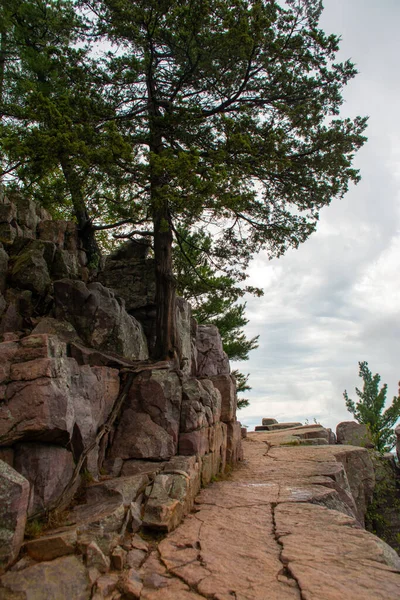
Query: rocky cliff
[103, 450]
[80, 401]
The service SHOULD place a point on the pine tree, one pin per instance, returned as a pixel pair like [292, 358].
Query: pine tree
[370, 409]
[233, 110]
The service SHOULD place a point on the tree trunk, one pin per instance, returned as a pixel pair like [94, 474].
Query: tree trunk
[85, 227]
[166, 346]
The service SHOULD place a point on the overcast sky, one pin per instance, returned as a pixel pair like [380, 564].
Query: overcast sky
[336, 300]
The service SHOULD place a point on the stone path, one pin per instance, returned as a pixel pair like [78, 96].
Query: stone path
[282, 527]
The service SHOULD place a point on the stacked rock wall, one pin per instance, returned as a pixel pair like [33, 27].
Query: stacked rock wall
[69, 347]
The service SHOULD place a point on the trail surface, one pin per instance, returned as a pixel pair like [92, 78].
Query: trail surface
[282, 527]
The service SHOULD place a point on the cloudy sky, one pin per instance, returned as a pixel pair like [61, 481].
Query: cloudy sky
[336, 300]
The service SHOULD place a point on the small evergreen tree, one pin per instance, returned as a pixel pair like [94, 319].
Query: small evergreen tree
[369, 409]
[214, 297]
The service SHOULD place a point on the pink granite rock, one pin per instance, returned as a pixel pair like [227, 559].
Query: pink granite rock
[14, 498]
[201, 405]
[64, 578]
[99, 318]
[149, 424]
[47, 468]
[226, 384]
[354, 434]
[234, 452]
[195, 442]
[137, 436]
[211, 358]
[49, 398]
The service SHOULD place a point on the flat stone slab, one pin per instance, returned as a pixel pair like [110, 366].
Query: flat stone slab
[276, 426]
[61, 579]
[282, 527]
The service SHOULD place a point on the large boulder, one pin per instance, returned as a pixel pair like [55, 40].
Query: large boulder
[14, 498]
[64, 578]
[226, 385]
[3, 268]
[352, 433]
[47, 468]
[49, 398]
[210, 357]
[172, 494]
[30, 269]
[201, 405]
[99, 318]
[149, 424]
[130, 274]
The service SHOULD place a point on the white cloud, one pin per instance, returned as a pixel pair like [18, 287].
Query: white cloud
[336, 300]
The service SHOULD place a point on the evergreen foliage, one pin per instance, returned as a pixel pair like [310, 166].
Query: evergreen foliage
[214, 297]
[369, 409]
[179, 113]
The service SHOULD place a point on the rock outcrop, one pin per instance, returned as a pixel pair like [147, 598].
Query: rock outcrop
[85, 413]
[14, 499]
[81, 401]
[354, 434]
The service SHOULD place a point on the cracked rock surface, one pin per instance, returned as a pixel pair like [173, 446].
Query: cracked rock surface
[285, 525]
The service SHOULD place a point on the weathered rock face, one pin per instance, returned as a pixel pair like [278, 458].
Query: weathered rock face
[65, 342]
[149, 424]
[353, 434]
[61, 579]
[50, 401]
[14, 498]
[30, 270]
[130, 273]
[201, 405]
[397, 432]
[47, 468]
[46, 394]
[226, 385]
[34, 251]
[383, 516]
[99, 318]
[210, 358]
[172, 494]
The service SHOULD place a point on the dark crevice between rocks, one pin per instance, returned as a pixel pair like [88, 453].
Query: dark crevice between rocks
[285, 572]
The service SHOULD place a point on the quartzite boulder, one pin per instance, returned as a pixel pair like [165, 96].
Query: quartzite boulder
[268, 421]
[201, 405]
[354, 434]
[64, 578]
[172, 494]
[99, 318]
[14, 498]
[30, 270]
[226, 384]
[149, 424]
[138, 436]
[47, 468]
[48, 397]
[211, 358]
